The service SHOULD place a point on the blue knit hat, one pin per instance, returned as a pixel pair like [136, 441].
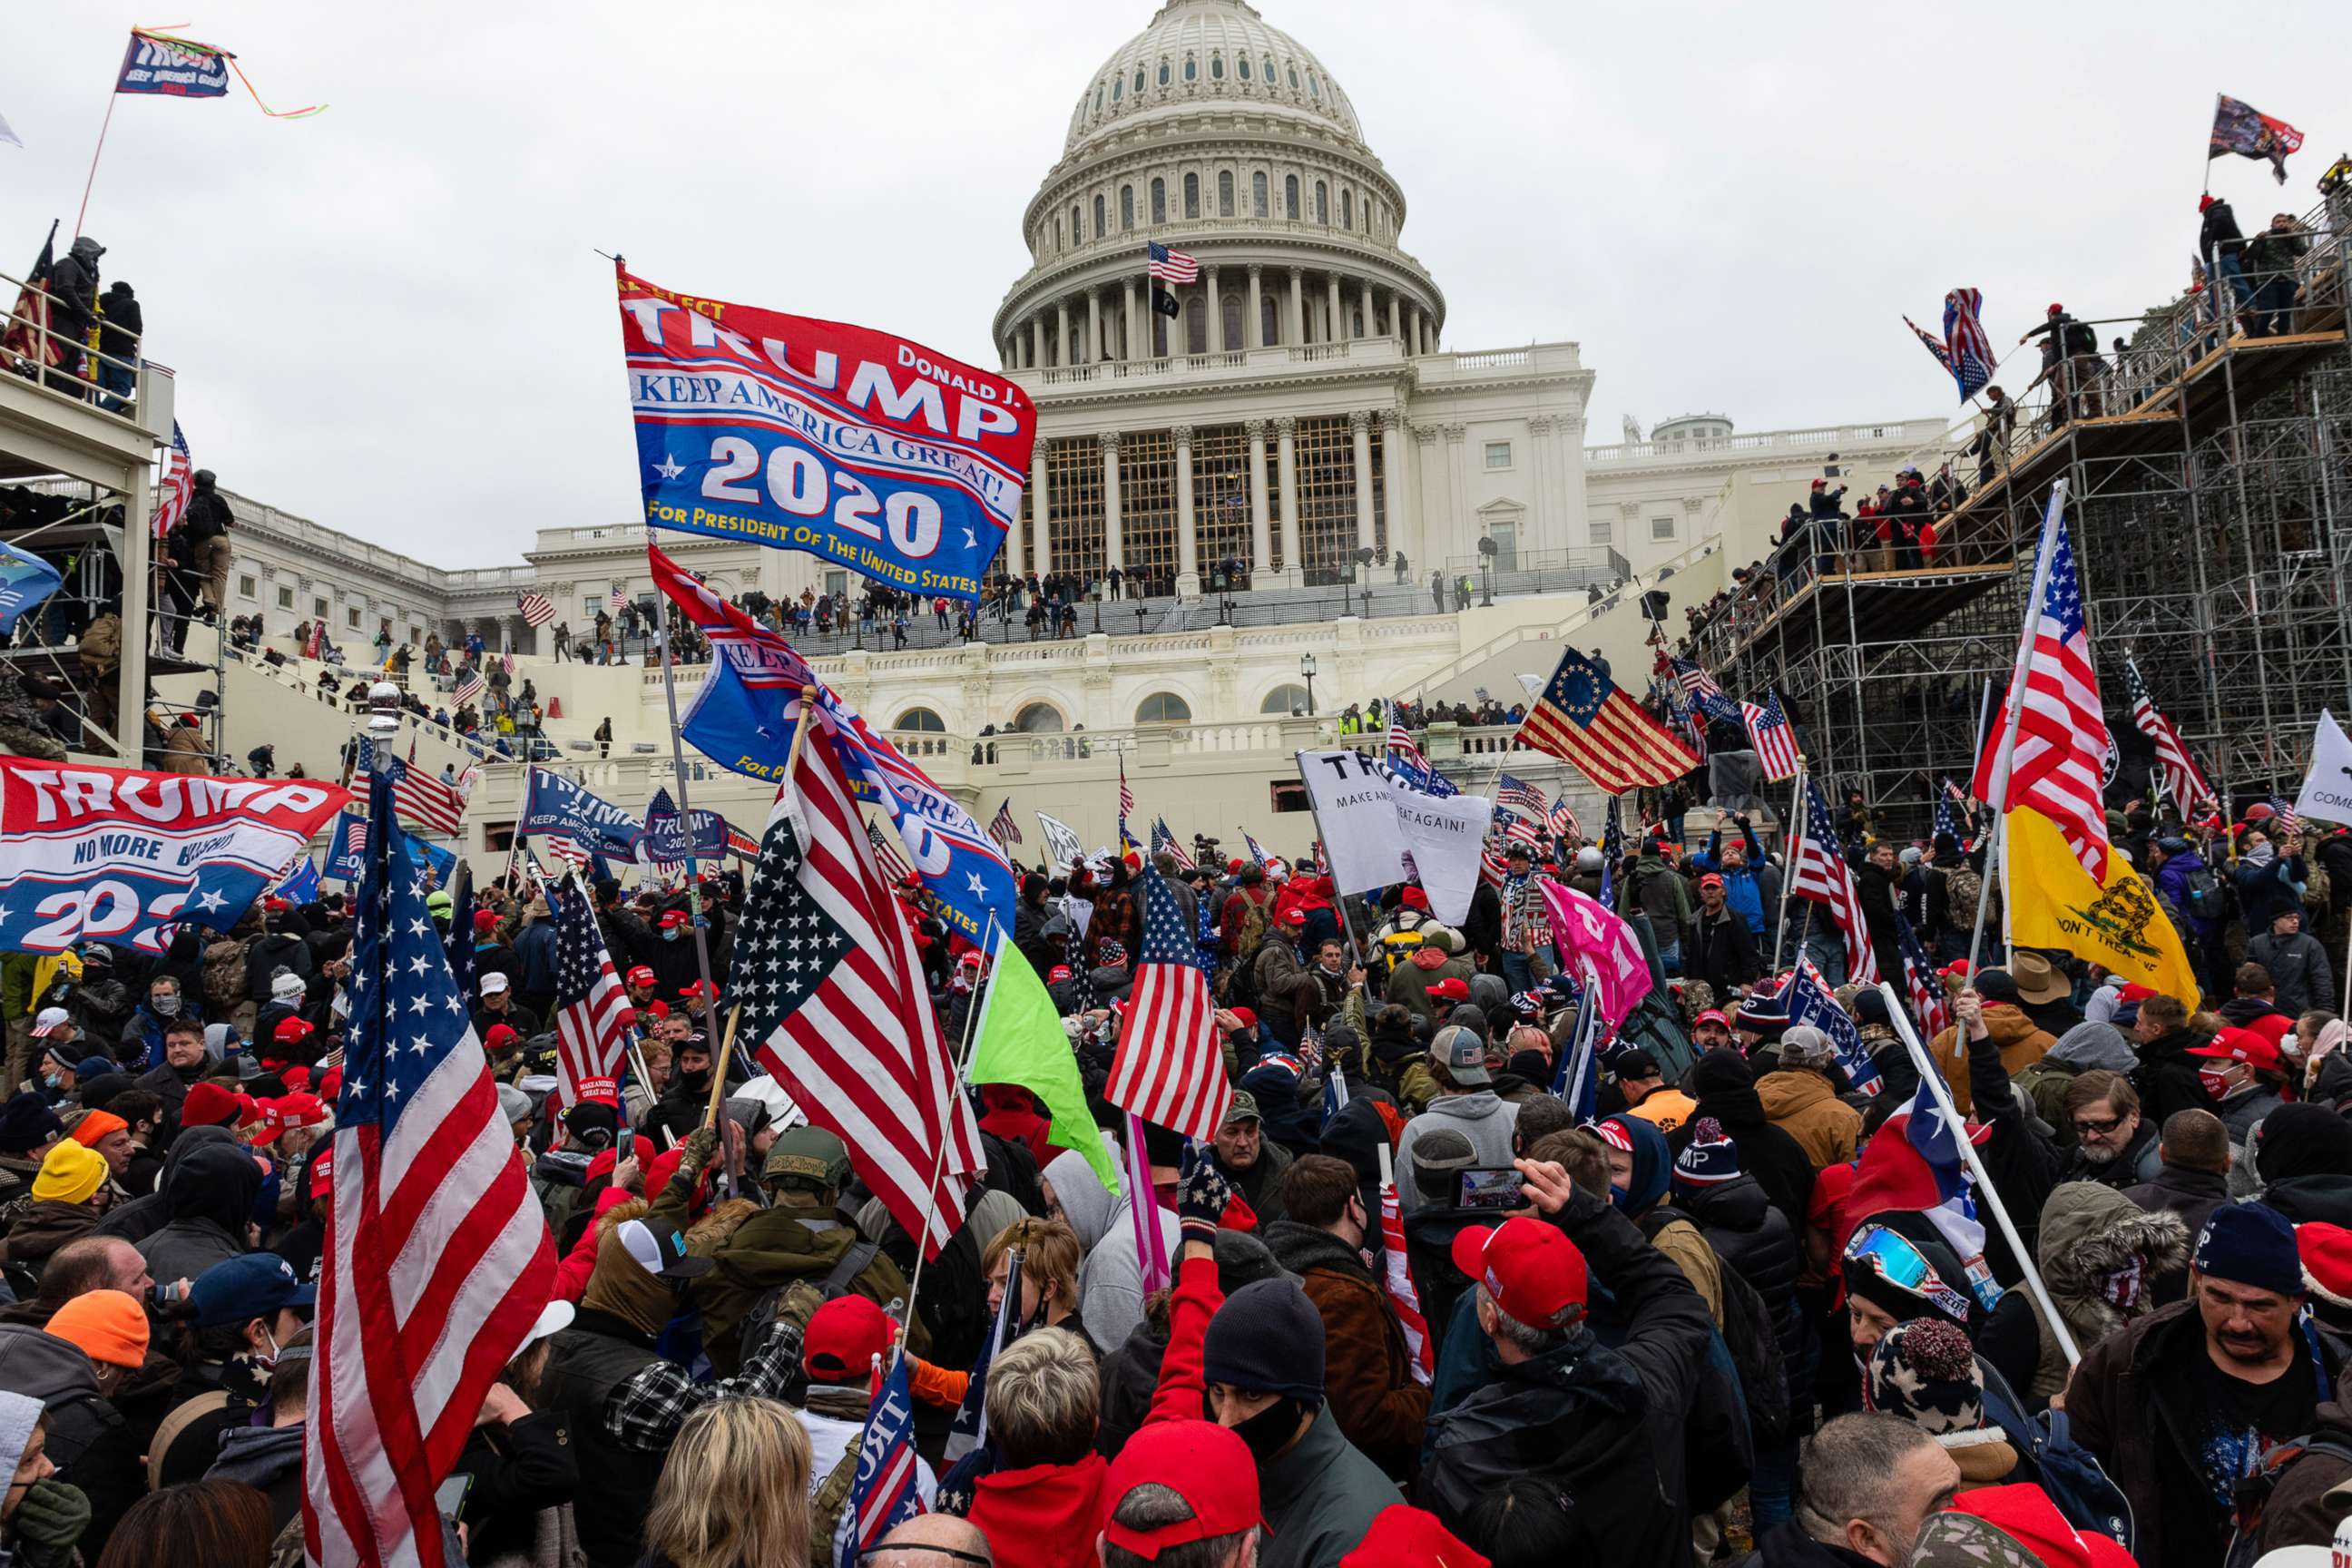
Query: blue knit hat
[2250, 1243]
[1708, 1160]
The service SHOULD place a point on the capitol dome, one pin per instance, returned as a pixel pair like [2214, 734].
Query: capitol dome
[1220, 136]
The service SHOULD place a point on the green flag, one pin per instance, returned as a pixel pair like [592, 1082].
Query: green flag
[1021, 1042]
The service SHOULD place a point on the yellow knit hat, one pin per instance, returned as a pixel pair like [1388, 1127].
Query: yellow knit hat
[69, 1172]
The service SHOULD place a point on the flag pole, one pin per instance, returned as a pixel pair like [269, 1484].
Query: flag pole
[2041, 554]
[953, 1086]
[1985, 1189]
[686, 809]
[1788, 863]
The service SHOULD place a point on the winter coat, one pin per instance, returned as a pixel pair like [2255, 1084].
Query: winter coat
[1110, 1280]
[1481, 1116]
[1603, 1426]
[2021, 1043]
[2301, 977]
[1367, 1371]
[2089, 1232]
[1805, 1106]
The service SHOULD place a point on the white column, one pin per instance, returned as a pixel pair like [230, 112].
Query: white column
[1359, 425]
[1335, 330]
[1217, 344]
[1126, 318]
[1094, 352]
[1261, 554]
[1372, 316]
[1393, 439]
[1188, 548]
[1252, 328]
[1287, 478]
[1297, 326]
[1113, 541]
[1041, 512]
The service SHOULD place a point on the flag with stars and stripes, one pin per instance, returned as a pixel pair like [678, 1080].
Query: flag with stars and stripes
[179, 484]
[1586, 720]
[2059, 765]
[1774, 737]
[1162, 840]
[1003, 829]
[437, 1258]
[1168, 1069]
[889, 855]
[537, 609]
[833, 998]
[1821, 873]
[2182, 780]
[591, 1038]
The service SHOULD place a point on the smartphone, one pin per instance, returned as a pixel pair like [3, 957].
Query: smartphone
[450, 1495]
[1490, 1187]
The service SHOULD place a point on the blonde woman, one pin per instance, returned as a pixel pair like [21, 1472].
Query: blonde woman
[735, 1490]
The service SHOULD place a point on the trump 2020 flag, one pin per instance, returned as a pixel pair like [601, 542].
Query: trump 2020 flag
[873, 452]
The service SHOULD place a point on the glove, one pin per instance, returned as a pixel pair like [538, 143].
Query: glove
[1201, 1194]
[49, 1522]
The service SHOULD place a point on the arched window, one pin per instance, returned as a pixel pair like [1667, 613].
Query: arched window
[1191, 69]
[1269, 319]
[1233, 315]
[1290, 197]
[1257, 194]
[1287, 699]
[1322, 201]
[1039, 719]
[1242, 63]
[1217, 67]
[1192, 196]
[1127, 206]
[1158, 200]
[1101, 227]
[1163, 707]
[1163, 73]
[921, 719]
[1347, 209]
[1224, 193]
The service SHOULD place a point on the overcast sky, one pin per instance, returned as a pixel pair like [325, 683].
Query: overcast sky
[391, 318]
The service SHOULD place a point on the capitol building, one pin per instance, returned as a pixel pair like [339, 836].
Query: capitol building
[1282, 465]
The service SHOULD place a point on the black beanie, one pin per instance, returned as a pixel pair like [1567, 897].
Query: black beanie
[1266, 1338]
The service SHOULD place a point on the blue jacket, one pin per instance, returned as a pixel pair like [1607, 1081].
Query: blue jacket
[1743, 889]
[2268, 891]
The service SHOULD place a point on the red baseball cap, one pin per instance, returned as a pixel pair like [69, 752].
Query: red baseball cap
[1712, 1016]
[1533, 1270]
[843, 1339]
[1206, 1465]
[641, 975]
[1453, 988]
[2257, 1051]
[1404, 1537]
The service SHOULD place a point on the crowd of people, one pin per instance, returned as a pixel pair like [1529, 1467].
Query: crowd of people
[1726, 1312]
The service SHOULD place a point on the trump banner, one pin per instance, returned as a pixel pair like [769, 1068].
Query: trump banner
[90, 853]
[857, 446]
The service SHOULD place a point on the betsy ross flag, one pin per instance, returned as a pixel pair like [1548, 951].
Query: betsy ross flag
[1822, 875]
[1169, 1070]
[179, 484]
[591, 1039]
[537, 609]
[1774, 737]
[1396, 1284]
[436, 1259]
[1584, 719]
[1002, 829]
[2182, 780]
[883, 1495]
[834, 997]
[1170, 265]
[2058, 768]
[1162, 840]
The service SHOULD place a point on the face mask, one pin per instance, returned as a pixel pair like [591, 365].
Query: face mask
[1268, 1432]
[165, 1006]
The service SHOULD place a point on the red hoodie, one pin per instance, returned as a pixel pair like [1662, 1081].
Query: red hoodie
[1046, 1516]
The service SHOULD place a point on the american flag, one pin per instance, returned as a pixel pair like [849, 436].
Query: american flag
[1517, 794]
[1584, 719]
[1775, 738]
[1822, 875]
[469, 686]
[1396, 1284]
[1170, 266]
[537, 609]
[833, 995]
[1919, 982]
[1563, 819]
[1709, 699]
[437, 1258]
[2062, 737]
[1162, 840]
[179, 484]
[887, 854]
[882, 1494]
[1168, 1069]
[590, 1037]
[2182, 780]
[1002, 829]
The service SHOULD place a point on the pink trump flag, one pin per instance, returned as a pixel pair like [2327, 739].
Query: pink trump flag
[1582, 926]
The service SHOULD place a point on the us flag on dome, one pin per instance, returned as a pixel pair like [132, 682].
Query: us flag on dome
[1168, 1069]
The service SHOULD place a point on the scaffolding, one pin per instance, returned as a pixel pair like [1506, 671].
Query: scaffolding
[2207, 469]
